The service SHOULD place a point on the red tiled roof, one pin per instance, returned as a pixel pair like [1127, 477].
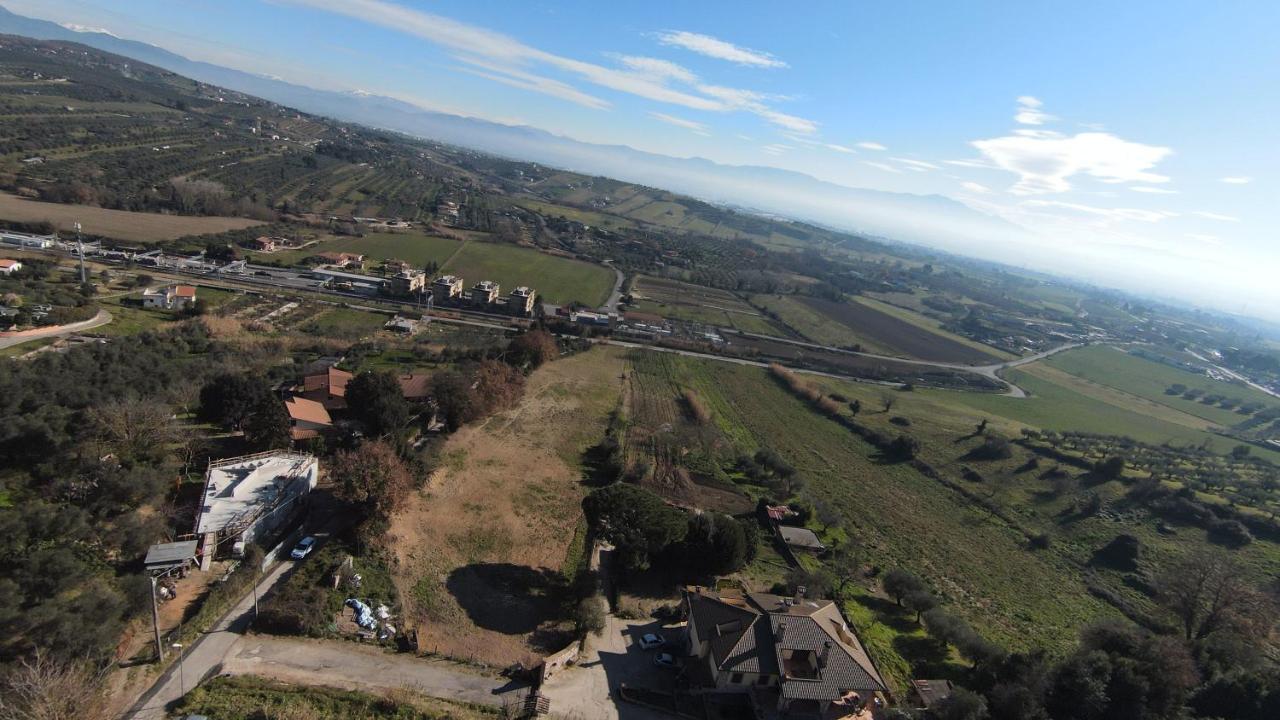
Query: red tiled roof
[302, 409]
[333, 381]
[415, 386]
[184, 291]
[7, 263]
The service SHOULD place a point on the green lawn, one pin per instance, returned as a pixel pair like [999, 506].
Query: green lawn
[1114, 368]
[344, 323]
[815, 326]
[250, 698]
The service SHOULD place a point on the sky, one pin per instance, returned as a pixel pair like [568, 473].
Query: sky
[1138, 141]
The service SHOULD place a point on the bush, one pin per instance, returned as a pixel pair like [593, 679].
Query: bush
[1232, 533]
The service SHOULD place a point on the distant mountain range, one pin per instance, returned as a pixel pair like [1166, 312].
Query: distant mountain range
[926, 219]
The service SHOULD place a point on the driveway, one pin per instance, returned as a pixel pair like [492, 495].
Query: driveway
[351, 666]
[585, 690]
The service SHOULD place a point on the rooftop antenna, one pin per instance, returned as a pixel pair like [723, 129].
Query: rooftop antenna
[80, 249]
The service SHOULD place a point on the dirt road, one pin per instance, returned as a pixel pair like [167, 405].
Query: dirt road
[102, 318]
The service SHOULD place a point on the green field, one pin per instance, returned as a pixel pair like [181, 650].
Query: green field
[557, 279]
[1147, 379]
[344, 323]
[900, 517]
[696, 303]
[250, 698]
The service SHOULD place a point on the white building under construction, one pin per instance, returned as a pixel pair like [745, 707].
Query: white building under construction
[250, 497]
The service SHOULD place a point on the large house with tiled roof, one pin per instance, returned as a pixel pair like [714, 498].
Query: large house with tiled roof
[796, 657]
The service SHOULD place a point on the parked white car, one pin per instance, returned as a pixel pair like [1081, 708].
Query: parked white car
[303, 548]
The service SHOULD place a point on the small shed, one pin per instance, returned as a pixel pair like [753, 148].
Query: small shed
[801, 538]
[931, 692]
[170, 556]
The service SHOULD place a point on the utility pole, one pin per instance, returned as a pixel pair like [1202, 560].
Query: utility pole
[84, 277]
[155, 619]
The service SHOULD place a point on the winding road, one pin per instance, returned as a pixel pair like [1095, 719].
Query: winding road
[102, 318]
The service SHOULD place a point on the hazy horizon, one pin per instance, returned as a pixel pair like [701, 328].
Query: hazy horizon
[1132, 143]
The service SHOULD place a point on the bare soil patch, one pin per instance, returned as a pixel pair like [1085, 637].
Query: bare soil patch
[480, 548]
[910, 340]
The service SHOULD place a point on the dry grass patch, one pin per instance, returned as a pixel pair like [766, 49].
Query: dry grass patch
[119, 224]
[479, 549]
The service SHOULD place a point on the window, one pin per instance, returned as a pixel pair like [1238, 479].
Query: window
[762, 680]
[736, 679]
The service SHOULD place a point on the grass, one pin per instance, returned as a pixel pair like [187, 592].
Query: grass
[1114, 368]
[250, 698]
[344, 323]
[931, 325]
[415, 248]
[695, 303]
[901, 518]
[557, 279]
[118, 224]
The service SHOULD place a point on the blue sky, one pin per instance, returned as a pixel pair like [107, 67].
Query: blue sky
[1138, 140]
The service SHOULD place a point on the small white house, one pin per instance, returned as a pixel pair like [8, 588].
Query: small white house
[9, 267]
[172, 297]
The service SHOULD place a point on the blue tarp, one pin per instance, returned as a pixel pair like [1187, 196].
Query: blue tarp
[364, 614]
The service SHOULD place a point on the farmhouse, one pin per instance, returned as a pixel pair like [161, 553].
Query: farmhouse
[402, 324]
[9, 267]
[342, 259]
[484, 292]
[266, 243]
[250, 497]
[416, 387]
[796, 657]
[520, 301]
[307, 418]
[447, 287]
[800, 538]
[329, 388]
[172, 297]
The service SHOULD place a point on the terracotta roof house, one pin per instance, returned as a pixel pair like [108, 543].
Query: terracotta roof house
[778, 513]
[795, 657]
[307, 418]
[328, 387]
[171, 297]
[9, 266]
[342, 259]
[415, 386]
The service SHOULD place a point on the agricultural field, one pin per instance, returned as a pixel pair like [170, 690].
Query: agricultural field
[897, 516]
[117, 224]
[586, 217]
[344, 323]
[815, 326]
[482, 547]
[1114, 368]
[558, 280]
[250, 698]
[416, 248]
[883, 325]
[699, 304]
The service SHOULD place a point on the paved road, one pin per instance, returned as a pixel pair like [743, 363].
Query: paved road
[350, 666]
[615, 297]
[102, 318]
[205, 654]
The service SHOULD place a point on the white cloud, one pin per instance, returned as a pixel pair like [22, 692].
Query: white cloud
[504, 59]
[1236, 180]
[1046, 164]
[882, 166]
[777, 149]
[1109, 214]
[871, 146]
[840, 148]
[719, 49]
[1215, 216]
[916, 165]
[1153, 190]
[1029, 112]
[971, 164]
[697, 127]
[975, 187]
[657, 68]
[73, 27]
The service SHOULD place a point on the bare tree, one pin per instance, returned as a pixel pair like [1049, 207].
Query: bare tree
[133, 428]
[41, 688]
[1208, 591]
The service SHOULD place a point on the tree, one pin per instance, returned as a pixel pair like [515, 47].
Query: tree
[899, 583]
[1110, 469]
[42, 688]
[132, 428]
[845, 564]
[903, 447]
[589, 617]
[855, 407]
[230, 398]
[498, 386]
[377, 401]
[715, 543]
[454, 398]
[636, 521]
[1207, 592]
[981, 428]
[921, 601]
[827, 513]
[1240, 452]
[961, 704]
[532, 349]
[267, 426]
[372, 476]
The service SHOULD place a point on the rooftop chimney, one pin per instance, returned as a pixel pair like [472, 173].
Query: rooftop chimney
[799, 595]
[822, 655]
[782, 630]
